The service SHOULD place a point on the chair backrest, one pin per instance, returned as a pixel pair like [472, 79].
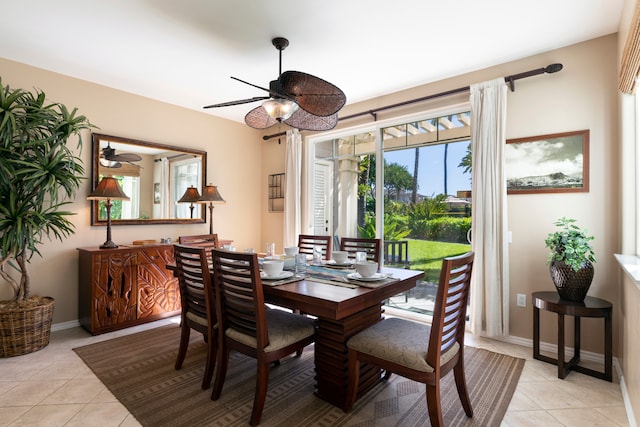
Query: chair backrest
[306, 242]
[396, 252]
[373, 247]
[196, 289]
[450, 308]
[240, 299]
[202, 240]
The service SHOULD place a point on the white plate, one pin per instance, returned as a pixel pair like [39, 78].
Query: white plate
[332, 263]
[283, 275]
[374, 278]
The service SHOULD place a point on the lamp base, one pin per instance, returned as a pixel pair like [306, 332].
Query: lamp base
[108, 245]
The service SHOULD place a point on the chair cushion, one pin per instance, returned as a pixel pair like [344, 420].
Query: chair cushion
[284, 329]
[399, 341]
[197, 319]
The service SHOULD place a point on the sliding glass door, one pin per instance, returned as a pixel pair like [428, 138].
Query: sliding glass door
[408, 184]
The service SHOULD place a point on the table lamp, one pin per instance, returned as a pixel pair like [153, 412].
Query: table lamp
[211, 195]
[190, 196]
[108, 189]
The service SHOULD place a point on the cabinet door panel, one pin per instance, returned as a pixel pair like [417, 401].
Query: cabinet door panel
[158, 290]
[114, 285]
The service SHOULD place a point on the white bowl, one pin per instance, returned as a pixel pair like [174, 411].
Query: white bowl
[291, 250]
[340, 257]
[366, 269]
[273, 267]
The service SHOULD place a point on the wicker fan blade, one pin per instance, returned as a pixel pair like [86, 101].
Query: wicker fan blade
[259, 119]
[125, 157]
[109, 153]
[238, 102]
[303, 120]
[314, 95]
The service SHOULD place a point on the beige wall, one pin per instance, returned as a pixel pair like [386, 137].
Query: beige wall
[582, 96]
[234, 157]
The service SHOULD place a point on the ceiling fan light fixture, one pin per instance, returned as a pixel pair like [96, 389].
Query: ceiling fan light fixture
[280, 108]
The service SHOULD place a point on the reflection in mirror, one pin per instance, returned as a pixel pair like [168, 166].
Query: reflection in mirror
[154, 176]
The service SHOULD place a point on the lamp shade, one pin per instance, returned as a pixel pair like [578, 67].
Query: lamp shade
[211, 194]
[108, 188]
[190, 196]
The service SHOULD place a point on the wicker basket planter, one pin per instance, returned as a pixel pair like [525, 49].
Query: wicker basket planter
[25, 330]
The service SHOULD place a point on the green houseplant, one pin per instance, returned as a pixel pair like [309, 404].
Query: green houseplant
[39, 173]
[570, 260]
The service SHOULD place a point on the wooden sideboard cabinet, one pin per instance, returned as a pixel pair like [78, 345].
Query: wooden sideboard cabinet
[126, 286]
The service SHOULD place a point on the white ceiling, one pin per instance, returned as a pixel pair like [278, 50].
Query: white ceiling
[184, 52]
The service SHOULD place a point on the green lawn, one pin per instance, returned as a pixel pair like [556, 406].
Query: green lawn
[427, 255]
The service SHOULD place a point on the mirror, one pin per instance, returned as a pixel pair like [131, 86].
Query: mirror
[154, 176]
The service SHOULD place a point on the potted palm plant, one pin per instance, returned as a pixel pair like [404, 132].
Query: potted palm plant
[570, 260]
[39, 173]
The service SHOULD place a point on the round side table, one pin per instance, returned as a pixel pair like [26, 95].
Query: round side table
[590, 307]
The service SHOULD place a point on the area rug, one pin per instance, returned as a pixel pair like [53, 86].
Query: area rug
[138, 369]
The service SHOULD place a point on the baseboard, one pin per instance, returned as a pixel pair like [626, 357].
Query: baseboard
[553, 349]
[65, 325]
[627, 403]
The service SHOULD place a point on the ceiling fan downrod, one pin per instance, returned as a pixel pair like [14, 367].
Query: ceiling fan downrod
[281, 44]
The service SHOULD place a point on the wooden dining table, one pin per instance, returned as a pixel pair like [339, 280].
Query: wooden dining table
[341, 312]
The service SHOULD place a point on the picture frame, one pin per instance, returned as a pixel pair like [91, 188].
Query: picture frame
[553, 163]
[156, 193]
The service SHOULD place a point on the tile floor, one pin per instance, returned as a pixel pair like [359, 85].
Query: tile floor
[53, 387]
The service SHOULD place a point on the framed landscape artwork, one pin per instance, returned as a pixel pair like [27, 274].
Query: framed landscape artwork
[555, 163]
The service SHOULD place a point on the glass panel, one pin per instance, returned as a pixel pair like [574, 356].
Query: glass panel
[423, 132]
[345, 146]
[324, 149]
[365, 143]
[394, 137]
[427, 195]
[186, 173]
[426, 216]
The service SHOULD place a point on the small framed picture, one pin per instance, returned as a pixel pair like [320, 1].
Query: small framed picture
[156, 193]
[555, 163]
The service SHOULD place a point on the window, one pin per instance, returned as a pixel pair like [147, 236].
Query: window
[416, 176]
[184, 174]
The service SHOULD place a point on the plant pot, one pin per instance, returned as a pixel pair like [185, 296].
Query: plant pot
[26, 329]
[571, 285]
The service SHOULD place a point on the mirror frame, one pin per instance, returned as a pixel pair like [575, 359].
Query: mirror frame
[95, 157]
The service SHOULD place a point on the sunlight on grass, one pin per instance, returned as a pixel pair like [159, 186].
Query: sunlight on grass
[427, 255]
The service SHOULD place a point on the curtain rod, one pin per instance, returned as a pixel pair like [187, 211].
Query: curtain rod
[172, 157]
[550, 69]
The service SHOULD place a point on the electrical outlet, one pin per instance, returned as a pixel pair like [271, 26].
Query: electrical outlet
[522, 300]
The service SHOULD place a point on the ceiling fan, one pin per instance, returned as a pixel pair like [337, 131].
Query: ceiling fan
[109, 158]
[298, 99]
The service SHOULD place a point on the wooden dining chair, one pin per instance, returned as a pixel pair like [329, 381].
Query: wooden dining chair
[247, 326]
[306, 243]
[201, 240]
[421, 352]
[198, 306]
[373, 247]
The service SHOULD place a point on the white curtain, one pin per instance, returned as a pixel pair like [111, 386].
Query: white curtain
[161, 179]
[292, 183]
[490, 282]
